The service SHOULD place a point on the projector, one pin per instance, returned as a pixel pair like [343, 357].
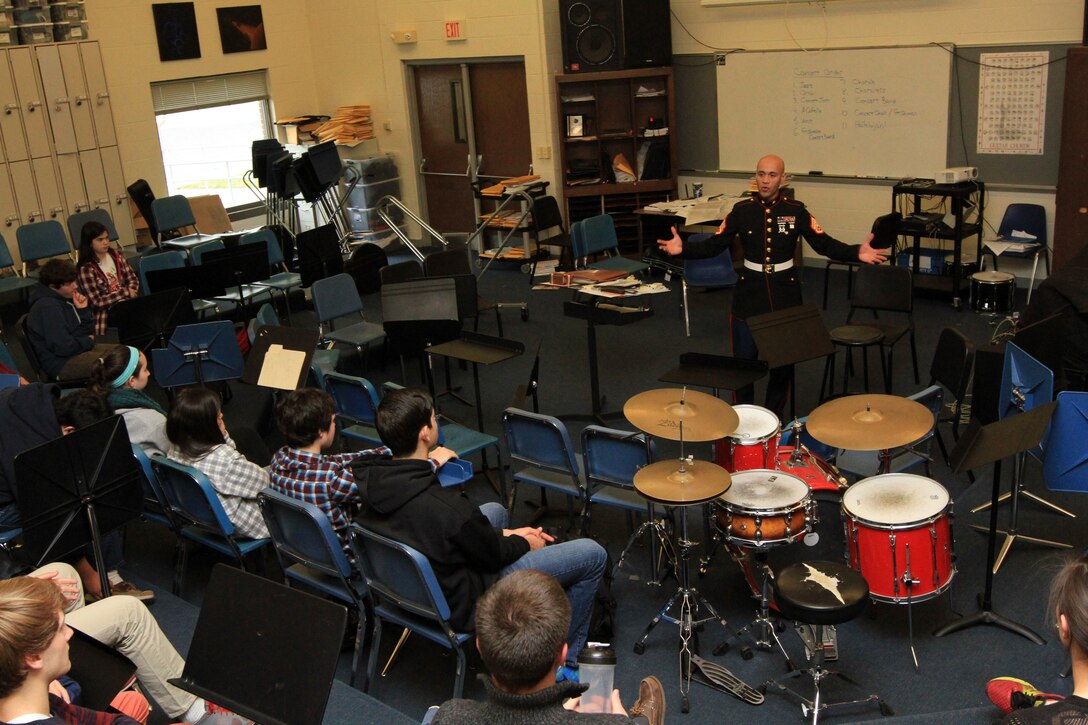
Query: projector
[957, 174]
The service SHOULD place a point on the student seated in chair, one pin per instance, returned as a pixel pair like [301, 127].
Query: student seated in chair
[468, 547]
[60, 326]
[302, 469]
[521, 627]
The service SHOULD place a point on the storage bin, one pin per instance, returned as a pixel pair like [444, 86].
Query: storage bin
[377, 177]
[24, 4]
[62, 30]
[36, 33]
[6, 19]
[31, 16]
[67, 12]
[930, 261]
[78, 31]
[8, 36]
[366, 219]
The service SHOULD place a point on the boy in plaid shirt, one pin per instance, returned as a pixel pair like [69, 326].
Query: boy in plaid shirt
[307, 419]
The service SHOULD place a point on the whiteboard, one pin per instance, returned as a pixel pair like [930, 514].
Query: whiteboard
[857, 112]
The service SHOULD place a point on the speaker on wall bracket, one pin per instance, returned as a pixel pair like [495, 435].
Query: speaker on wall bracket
[600, 35]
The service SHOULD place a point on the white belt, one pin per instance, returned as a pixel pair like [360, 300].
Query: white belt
[768, 268]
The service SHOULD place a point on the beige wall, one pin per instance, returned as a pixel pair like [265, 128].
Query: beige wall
[126, 32]
[331, 52]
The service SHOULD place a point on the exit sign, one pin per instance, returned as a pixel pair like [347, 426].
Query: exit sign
[455, 30]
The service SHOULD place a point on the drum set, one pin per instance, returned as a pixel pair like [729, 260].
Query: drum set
[759, 495]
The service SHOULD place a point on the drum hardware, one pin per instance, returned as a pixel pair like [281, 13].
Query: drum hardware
[764, 628]
[829, 643]
[659, 531]
[682, 483]
[719, 678]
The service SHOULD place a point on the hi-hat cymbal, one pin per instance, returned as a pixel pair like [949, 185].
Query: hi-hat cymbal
[869, 422]
[660, 412]
[665, 482]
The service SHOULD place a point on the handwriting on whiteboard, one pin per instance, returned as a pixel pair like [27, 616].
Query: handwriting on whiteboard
[828, 103]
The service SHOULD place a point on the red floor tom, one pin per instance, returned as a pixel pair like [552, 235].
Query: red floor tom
[895, 523]
[754, 444]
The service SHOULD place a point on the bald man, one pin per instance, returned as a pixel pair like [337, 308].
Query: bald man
[769, 226]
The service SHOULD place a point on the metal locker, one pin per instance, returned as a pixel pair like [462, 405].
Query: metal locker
[55, 95]
[101, 108]
[94, 179]
[26, 195]
[80, 104]
[71, 183]
[9, 214]
[120, 209]
[11, 114]
[49, 196]
[35, 122]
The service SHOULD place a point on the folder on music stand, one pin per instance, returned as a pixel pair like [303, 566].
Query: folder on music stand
[199, 354]
[75, 488]
[280, 357]
[278, 668]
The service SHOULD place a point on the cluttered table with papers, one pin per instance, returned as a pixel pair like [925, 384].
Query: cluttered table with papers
[707, 211]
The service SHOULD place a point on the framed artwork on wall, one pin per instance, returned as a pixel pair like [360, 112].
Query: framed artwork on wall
[175, 28]
[241, 28]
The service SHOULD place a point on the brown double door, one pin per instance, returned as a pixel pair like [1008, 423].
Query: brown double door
[472, 120]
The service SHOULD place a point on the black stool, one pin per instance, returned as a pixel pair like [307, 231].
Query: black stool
[817, 594]
[850, 337]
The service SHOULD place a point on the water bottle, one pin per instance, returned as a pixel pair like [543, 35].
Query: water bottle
[597, 668]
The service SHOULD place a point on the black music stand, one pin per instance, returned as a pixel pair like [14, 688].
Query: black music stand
[245, 263]
[979, 446]
[148, 320]
[791, 336]
[421, 312]
[199, 354]
[717, 372]
[280, 357]
[76, 488]
[319, 254]
[101, 671]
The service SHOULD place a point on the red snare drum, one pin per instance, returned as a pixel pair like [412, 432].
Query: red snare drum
[765, 508]
[754, 444]
[898, 522]
[812, 469]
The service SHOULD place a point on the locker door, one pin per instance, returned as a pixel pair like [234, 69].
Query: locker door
[26, 196]
[11, 115]
[55, 96]
[101, 108]
[49, 196]
[30, 99]
[120, 208]
[9, 214]
[77, 94]
[71, 183]
[94, 179]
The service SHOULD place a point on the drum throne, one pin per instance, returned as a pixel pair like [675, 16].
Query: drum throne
[818, 594]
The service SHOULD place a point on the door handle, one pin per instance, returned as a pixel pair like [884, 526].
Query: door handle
[422, 165]
[102, 97]
[468, 167]
[31, 105]
[479, 163]
[60, 102]
[81, 99]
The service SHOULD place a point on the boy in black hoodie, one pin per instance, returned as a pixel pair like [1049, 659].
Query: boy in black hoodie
[468, 547]
[60, 325]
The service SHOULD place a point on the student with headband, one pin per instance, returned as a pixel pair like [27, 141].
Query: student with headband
[122, 376]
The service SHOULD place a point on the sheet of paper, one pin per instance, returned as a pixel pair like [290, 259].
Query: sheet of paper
[282, 368]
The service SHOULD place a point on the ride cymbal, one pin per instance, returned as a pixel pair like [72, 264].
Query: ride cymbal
[698, 482]
[869, 422]
[660, 413]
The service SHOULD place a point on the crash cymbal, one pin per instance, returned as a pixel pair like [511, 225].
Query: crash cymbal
[659, 413]
[665, 482]
[869, 422]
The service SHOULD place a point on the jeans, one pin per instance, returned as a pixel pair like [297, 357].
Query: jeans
[577, 565]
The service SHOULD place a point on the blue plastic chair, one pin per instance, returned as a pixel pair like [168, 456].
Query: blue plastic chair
[610, 460]
[173, 213]
[76, 221]
[41, 240]
[405, 592]
[1030, 218]
[311, 554]
[16, 282]
[198, 511]
[336, 297]
[596, 236]
[357, 405]
[711, 273]
[862, 464]
[541, 444]
[284, 280]
[156, 508]
[170, 259]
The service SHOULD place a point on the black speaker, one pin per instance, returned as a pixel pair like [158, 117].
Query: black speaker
[601, 35]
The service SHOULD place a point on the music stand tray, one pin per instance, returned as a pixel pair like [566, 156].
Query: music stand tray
[75, 488]
[199, 354]
[143, 321]
[278, 668]
[280, 357]
[791, 336]
[718, 372]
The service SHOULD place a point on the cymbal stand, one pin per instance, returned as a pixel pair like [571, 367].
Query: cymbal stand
[763, 628]
[659, 537]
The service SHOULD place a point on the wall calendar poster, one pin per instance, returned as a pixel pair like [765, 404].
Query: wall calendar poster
[1012, 102]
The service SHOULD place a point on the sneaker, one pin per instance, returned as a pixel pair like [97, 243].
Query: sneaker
[566, 674]
[130, 590]
[651, 701]
[1009, 694]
